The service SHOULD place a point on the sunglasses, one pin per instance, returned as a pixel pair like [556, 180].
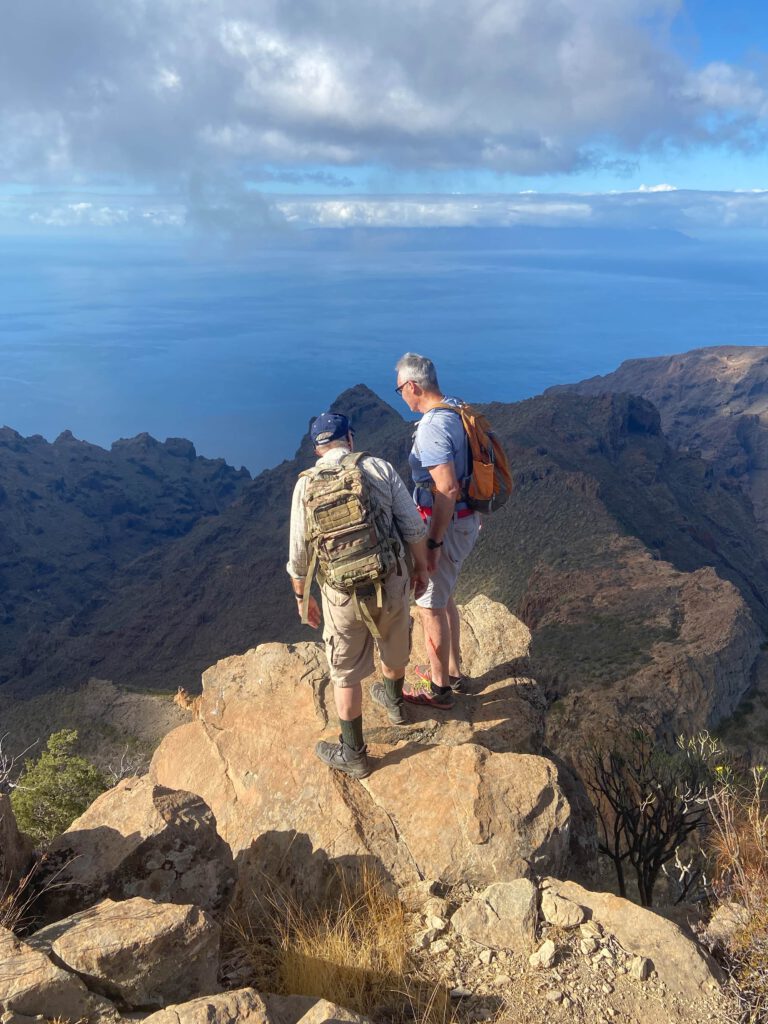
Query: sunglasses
[399, 390]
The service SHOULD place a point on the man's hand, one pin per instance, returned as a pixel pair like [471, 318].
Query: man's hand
[433, 559]
[419, 582]
[314, 615]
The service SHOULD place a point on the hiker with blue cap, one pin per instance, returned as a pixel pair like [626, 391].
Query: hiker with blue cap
[354, 526]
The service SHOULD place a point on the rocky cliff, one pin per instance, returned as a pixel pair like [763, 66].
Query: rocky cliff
[72, 514]
[711, 400]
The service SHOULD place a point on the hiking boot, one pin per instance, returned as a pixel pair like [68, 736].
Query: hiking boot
[394, 708]
[429, 695]
[344, 758]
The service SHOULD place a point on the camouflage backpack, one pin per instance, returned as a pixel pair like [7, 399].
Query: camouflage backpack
[349, 546]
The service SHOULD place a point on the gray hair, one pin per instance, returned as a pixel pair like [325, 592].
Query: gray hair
[419, 369]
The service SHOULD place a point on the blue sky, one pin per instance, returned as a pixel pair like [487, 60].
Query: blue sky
[154, 117]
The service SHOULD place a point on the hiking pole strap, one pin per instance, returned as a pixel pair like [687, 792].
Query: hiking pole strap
[307, 588]
[365, 616]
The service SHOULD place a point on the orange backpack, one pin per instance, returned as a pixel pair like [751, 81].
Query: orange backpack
[490, 481]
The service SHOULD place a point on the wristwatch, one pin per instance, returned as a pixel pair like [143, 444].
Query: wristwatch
[432, 544]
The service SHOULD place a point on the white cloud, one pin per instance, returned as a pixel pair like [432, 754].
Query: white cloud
[158, 90]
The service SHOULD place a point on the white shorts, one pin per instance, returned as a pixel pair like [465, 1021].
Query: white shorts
[460, 538]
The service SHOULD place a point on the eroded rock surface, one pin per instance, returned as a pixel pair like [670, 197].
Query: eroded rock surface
[31, 984]
[137, 952]
[502, 917]
[140, 839]
[244, 1006]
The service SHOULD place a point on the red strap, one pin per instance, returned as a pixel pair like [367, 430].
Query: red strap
[425, 512]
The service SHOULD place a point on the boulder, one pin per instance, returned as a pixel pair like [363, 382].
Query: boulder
[561, 912]
[451, 796]
[139, 953]
[15, 848]
[679, 961]
[243, 1006]
[324, 1012]
[502, 917]
[30, 984]
[309, 1010]
[139, 839]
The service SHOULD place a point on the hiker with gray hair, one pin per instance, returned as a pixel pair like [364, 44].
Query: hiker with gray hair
[353, 521]
[440, 465]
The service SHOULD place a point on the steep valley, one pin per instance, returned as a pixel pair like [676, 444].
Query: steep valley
[636, 562]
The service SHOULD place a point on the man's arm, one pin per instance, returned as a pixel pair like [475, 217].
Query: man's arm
[297, 554]
[447, 492]
[412, 530]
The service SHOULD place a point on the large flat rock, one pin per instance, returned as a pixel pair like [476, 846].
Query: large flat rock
[451, 796]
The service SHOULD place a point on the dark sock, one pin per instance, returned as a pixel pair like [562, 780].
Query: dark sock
[394, 688]
[352, 732]
[441, 689]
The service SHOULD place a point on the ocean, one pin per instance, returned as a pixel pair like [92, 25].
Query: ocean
[237, 350]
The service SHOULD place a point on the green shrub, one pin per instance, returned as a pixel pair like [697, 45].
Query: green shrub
[55, 789]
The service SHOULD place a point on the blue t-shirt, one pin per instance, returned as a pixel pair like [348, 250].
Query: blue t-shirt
[439, 438]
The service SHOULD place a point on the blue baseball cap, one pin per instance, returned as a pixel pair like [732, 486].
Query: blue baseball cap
[329, 426]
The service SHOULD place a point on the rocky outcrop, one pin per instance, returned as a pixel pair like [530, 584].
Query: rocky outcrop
[706, 667]
[450, 798]
[711, 400]
[15, 848]
[139, 839]
[140, 954]
[681, 963]
[31, 984]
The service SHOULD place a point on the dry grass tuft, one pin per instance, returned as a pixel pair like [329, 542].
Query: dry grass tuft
[353, 951]
[16, 902]
[738, 842]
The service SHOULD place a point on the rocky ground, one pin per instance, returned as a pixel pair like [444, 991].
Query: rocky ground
[591, 980]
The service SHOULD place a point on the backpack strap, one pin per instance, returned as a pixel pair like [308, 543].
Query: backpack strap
[458, 409]
[307, 588]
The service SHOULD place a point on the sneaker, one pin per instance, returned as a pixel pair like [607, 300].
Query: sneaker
[344, 759]
[429, 695]
[394, 708]
[457, 683]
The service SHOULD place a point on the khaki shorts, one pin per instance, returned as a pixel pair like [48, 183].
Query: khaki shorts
[348, 641]
[460, 538]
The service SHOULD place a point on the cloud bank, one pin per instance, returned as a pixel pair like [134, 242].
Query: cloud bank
[156, 91]
[235, 213]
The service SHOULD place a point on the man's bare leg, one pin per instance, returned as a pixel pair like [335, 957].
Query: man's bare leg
[437, 636]
[392, 673]
[454, 622]
[349, 701]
